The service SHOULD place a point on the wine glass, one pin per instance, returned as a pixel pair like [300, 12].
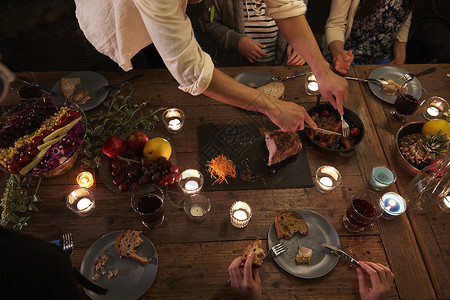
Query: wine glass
[26, 87]
[406, 103]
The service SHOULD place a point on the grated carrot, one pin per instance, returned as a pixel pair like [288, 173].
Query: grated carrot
[221, 167]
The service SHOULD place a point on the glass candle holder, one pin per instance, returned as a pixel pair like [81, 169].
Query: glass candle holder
[191, 181]
[85, 179]
[392, 204]
[173, 119]
[240, 214]
[197, 207]
[81, 201]
[381, 177]
[311, 85]
[445, 204]
[327, 179]
[434, 108]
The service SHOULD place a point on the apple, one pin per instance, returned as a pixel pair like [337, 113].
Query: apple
[136, 141]
[113, 146]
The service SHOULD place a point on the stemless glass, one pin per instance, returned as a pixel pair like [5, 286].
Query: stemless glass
[363, 210]
[150, 208]
[26, 87]
[405, 104]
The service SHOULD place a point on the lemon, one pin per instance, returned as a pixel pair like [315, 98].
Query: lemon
[156, 148]
[432, 127]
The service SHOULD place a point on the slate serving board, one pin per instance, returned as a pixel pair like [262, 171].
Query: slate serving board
[243, 144]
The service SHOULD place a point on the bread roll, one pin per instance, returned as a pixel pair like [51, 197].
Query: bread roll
[126, 244]
[69, 85]
[255, 247]
[289, 222]
[273, 88]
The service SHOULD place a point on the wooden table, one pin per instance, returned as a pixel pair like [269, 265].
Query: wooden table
[193, 258]
[432, 230]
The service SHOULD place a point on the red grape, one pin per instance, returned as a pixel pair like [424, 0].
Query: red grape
[116, 172]
[118, 180]
[143, 180]
[170, 178]
[156, 176]
[123, 187]
[14, 167]
[135, 186]
[174, 169]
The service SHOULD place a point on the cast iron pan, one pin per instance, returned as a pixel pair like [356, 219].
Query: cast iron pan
[353, 121]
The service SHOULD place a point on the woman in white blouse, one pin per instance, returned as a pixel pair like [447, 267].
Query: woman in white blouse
[121, 28]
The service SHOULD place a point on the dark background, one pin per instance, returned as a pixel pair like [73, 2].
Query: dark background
[43, 35]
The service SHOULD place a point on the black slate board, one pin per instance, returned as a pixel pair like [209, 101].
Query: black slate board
[243, 144]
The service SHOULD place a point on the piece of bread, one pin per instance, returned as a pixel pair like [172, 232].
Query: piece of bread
[256, 247]
[289, 222]
[126, 244]
[81, 96]
[69, 85]
[393, 88]
[303, 255]
[273, 88]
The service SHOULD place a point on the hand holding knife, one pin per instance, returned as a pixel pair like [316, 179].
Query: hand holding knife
[341, 254]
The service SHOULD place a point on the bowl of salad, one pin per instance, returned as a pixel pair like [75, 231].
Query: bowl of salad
[41, 138]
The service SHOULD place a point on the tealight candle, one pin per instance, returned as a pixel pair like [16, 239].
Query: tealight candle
[197, 207]
[381, 177]
[393, 205]
[85, 179]
[240, 214]
[311, 85]
[173, 118]
[81, 201]
[445, 204]
[191, 181]
[327, 179]
[435, 107]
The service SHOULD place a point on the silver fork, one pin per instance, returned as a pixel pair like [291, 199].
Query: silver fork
[406, 78]
[345, 127]
[277, 250]
[67, 243]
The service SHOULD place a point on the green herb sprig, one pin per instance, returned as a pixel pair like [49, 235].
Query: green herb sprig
[16, 203]
[121, 116]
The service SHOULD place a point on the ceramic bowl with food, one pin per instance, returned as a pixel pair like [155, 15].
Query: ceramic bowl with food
[41, 138]
[408, 154]
[327, 117]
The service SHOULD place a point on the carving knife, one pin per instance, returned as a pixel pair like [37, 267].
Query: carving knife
[341, 254]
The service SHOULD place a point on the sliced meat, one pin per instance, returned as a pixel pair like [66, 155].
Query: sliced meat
[281, 145]
[96, 277]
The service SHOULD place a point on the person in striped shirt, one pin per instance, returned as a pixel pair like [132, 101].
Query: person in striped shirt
[244, 34]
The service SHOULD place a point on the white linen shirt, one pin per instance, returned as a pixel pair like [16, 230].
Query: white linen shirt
[121, 28]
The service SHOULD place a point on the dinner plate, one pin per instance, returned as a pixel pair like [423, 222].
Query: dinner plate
[388, 72]
[320, 231]
[105, 169]
[133, 279]
[256, 77]
[90, 81]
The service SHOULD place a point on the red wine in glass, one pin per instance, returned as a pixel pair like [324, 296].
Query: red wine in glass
[150, 209]
[362, 212]
[29, 93]
[405, 104]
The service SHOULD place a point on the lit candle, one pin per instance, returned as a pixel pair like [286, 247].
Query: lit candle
[197, 211]
[393, 205]
[433, 111]
[326, 181]
[447, 201]
[174, 124]
[191, 185]
[240, 214]
[327, 178]
[173, 118]
[85, 179]
[84, 204]
[313, 86]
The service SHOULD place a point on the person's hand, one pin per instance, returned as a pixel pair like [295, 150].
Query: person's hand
[343, 61]
[293, 58]
[246, 285]
[381, 279]
[399, 53]
[290, 117]
[333, 88]
[251, 49]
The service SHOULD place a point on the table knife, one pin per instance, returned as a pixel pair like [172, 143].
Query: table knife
[324, 130]
[341, 254]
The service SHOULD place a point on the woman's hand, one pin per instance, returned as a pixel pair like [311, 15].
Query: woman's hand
[293, 58]
[251, 49]
[380, 277]
[343, 61]
[289, 116]
[247, 284]
[399, 53]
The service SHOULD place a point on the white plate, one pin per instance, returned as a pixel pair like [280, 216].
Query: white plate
[90, 81]
[257, 77]
[320, 231]
[388, 72]
[133, 279]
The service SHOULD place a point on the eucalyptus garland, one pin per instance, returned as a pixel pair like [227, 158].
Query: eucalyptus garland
[118, 117]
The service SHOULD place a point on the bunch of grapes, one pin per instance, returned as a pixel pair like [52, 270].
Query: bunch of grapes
[134, 172]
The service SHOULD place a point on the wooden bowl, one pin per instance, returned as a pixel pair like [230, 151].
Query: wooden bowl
[409, 128]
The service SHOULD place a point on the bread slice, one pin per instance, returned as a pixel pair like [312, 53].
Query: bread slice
[303, 255]
[81, 96]
[256, 247]
[273, 88]
[126, 244]
[289, 222]
[69, 85]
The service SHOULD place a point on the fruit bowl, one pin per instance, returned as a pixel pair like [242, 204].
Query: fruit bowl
[409, 128]
[105, 169]
[25, 120]
[352, 119]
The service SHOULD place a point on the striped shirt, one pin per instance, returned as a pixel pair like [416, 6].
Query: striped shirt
[260, 28]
